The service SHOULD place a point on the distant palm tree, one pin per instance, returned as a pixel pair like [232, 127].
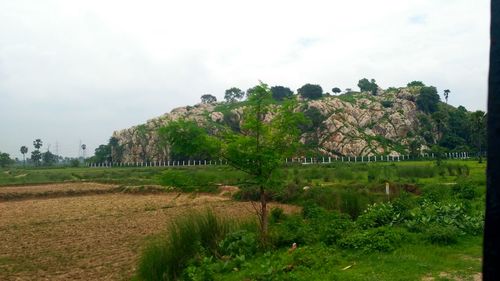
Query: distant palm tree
[446, 94]
[37, 143]
[24, 150]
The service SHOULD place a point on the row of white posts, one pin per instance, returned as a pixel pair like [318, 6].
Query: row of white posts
[300, 160]
[160, 163]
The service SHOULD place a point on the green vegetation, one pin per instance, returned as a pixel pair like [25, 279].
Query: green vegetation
[431, 223]
[336, 90]
[310, 91]
[280, 93]
[5, 159]
[207, 99]
[187, 238]
[258, 150]
[366, 85]
[428, 99]
[233, 94]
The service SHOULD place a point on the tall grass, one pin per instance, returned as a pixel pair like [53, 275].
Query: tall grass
[167, 256]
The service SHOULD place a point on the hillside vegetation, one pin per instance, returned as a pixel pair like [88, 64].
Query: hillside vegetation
[405, 120]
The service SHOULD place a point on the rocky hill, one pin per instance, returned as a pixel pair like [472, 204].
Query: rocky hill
[352, 124]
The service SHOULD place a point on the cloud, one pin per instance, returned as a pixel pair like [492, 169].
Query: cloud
[77, 70]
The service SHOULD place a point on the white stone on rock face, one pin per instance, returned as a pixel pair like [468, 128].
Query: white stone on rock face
[217, 116]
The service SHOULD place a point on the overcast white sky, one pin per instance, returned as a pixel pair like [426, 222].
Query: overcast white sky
[77, 70]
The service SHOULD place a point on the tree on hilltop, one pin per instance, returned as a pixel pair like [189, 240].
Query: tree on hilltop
[208, 99]
[336, 90]
[310, 91]
[366, 85]
[280, 93]
[233, 94]
[428, 99]
[446, 93]
[415, 84]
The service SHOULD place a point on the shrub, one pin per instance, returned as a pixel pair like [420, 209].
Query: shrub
[464, 190]
[167, 257]
[381, 239]
[277, 214]
[444, 214]
[379, 214]
[292, 230]
[442, 235]
[387, 103]
[238, 243]
[333, 227]
[350, 203]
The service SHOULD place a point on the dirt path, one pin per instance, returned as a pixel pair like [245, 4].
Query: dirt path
[94, 237]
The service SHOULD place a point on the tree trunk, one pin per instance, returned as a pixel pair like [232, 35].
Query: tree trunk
[263, 216]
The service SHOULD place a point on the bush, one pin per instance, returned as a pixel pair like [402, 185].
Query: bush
[168, 256]
[444, 214]
[292, 230]
[387, 103]
[464, 190]
[379, 214]
[381, 239]
[442, 235]
[277, 214]
[239, 243]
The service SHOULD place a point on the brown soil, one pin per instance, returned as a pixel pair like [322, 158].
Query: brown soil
[95, 237]
[55, 187]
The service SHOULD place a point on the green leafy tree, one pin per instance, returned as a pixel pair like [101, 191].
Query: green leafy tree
[416, 84]
[143, 140]
[446, 94]
[186, 140]
[478, 128]
[366, 85]
[414, 148]
[233, 94]
[258, 150]
[310, 91]
[37, 143]
[280, 93]
[116, 149]
[5, 159]
[102, 154]
[36, 155]
[49, 158]
[207, 99]
[336, 90]
[24, 150]
[440, 117]
[428, 99]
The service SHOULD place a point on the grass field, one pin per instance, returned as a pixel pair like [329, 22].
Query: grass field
[92, 223]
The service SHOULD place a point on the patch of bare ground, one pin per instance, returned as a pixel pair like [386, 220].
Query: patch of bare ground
[52, 190]
[95, 237]
[449, 276]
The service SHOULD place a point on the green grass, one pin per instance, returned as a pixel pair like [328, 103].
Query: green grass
[433, 232]
[318, 262]
[168, 255]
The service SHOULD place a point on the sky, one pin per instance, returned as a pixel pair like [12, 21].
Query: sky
[72, 72]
